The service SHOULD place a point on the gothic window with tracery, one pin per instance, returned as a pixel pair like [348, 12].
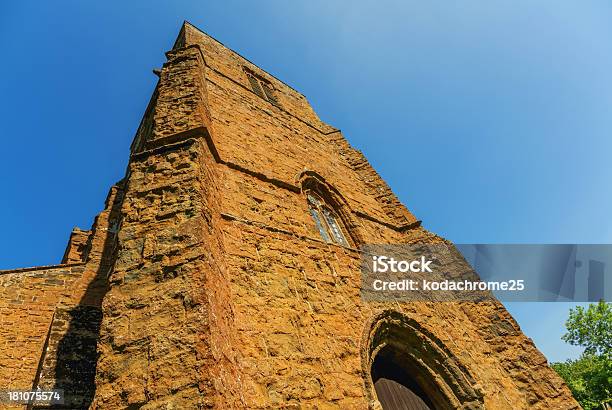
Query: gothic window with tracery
[327, 221]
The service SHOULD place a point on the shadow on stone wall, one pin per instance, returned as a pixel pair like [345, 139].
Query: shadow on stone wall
[70, 357]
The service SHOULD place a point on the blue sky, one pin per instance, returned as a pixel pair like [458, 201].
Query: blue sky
[491, 120]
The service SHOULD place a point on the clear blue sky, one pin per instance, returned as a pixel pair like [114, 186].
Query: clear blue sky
[491, 120]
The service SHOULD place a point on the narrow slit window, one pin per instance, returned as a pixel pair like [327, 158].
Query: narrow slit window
[326, 221]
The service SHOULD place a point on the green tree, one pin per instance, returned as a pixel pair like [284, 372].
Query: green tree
[589, 377]
[591, 328]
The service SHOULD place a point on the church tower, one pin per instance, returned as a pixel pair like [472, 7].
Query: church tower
[232, 270]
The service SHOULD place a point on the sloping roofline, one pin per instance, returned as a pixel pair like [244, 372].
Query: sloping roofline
[182, 33]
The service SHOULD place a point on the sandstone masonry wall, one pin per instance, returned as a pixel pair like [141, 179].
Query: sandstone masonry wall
[295, 299]
[205, 283]
[27, 303]
[50, 315]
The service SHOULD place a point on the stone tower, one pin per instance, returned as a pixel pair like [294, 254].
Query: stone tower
[224, 271]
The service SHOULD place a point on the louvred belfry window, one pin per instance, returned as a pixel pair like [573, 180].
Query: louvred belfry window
[270, 96]
[326, 220]
[262, 87]
[255, 85]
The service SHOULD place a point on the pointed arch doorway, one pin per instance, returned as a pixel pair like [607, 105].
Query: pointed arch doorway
[395, 388]
[406, 367]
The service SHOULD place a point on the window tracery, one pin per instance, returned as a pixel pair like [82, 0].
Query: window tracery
[326, 220]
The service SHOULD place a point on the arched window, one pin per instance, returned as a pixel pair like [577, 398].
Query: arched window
[327, 221]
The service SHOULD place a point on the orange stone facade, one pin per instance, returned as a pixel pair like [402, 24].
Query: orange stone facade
[205, 283]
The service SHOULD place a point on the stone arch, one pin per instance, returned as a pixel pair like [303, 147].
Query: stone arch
[312, 181]
[441, 379]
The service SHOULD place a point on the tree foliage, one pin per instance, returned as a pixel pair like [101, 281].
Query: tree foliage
[589, 377]
[591, 328]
